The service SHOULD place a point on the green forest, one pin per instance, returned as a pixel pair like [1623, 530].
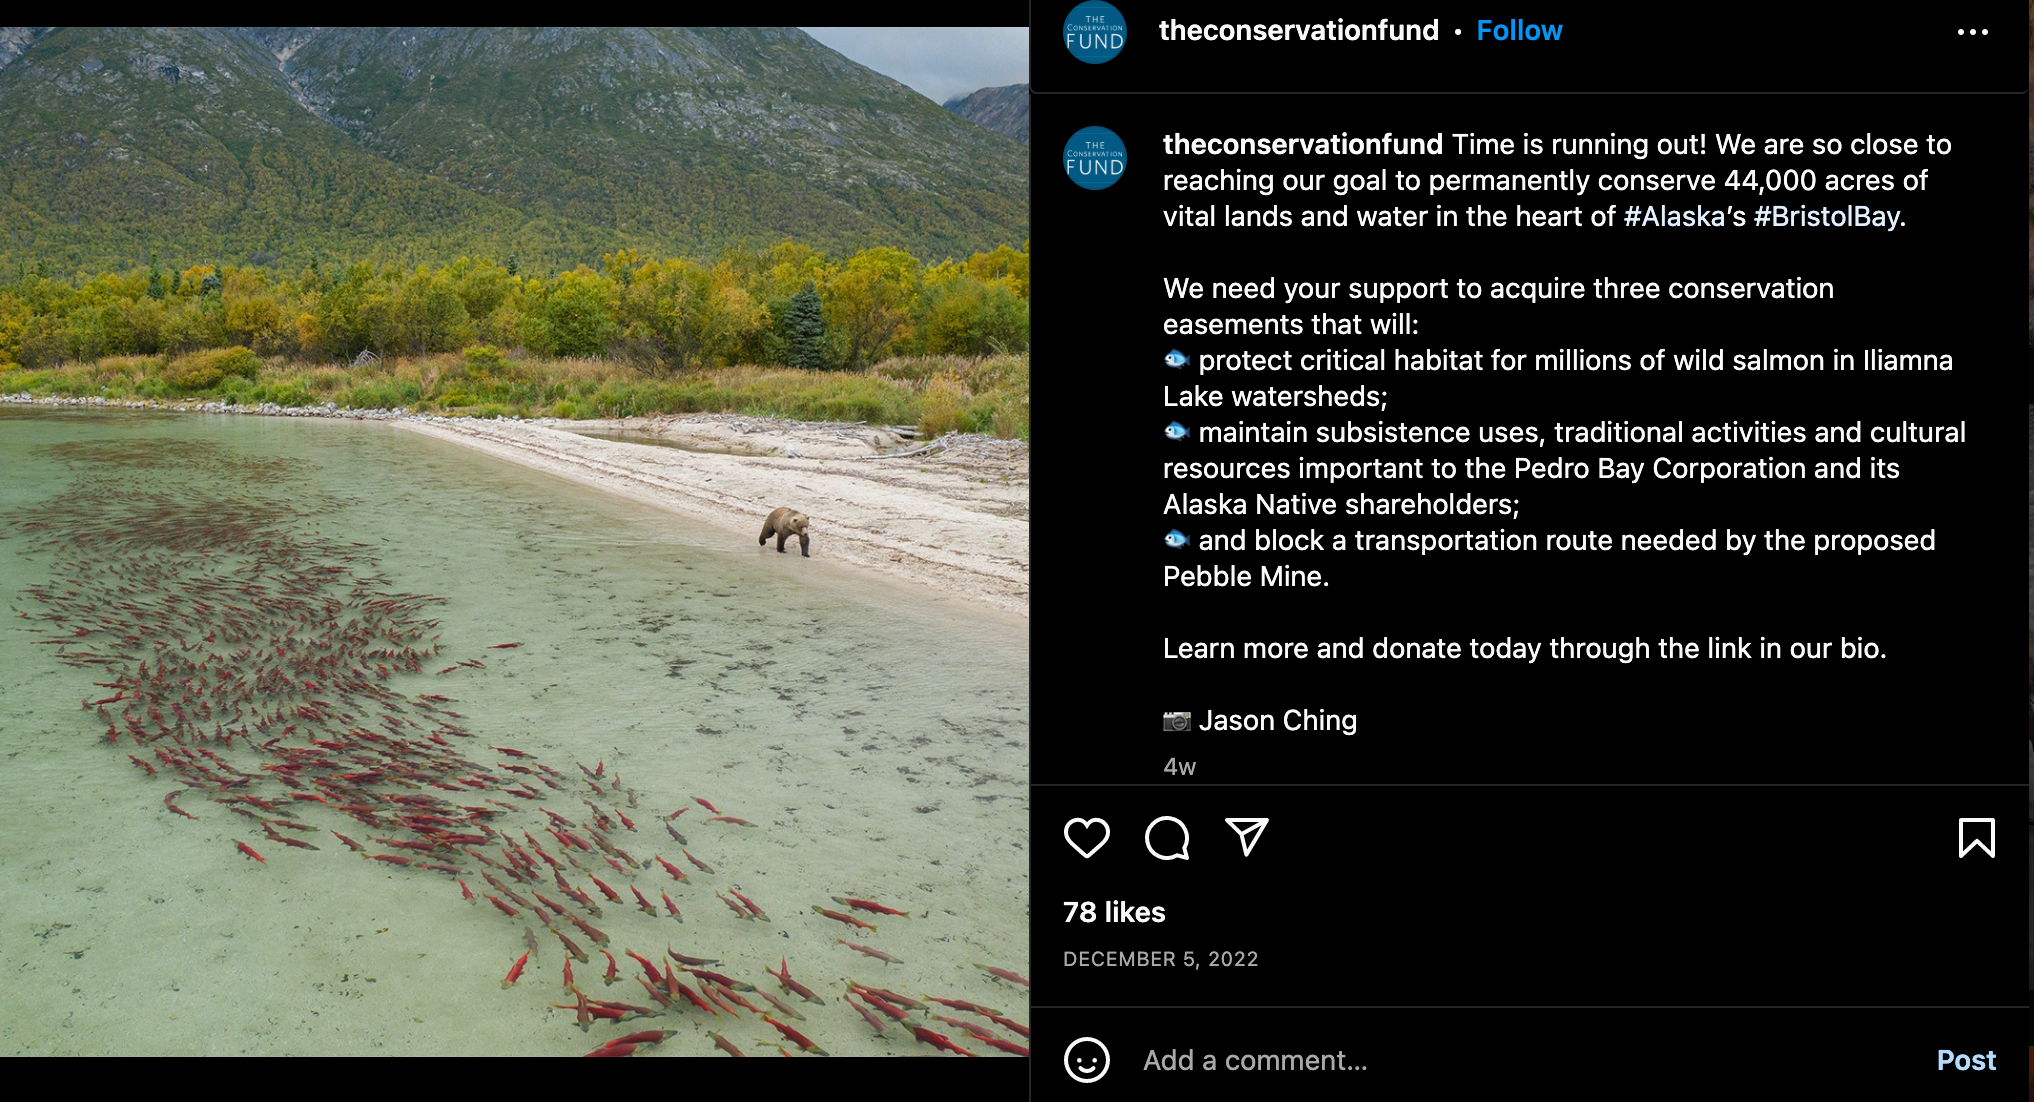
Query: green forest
[788, 330]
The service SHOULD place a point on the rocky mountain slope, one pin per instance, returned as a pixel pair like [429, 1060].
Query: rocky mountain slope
[1006, 110]
[281, 144]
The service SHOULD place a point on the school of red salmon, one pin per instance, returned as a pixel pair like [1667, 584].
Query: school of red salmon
[261, 672]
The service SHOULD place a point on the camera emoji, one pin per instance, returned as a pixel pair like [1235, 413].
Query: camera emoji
[1178, 721]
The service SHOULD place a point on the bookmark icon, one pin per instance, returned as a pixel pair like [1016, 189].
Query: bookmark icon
[1248, 831]
[1977, 834]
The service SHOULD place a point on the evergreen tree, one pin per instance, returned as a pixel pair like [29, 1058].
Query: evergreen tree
[805, 329]
[155, 287]
[512, 265]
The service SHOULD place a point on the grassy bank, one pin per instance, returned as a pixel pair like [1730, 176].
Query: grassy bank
[989, 394]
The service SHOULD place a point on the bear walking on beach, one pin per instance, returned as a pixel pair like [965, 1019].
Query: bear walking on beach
[785, 523]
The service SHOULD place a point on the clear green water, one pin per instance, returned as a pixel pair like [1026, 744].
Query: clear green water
[876, 737]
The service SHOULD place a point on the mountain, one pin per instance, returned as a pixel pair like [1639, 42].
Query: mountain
[1006, 110]
[283, 144]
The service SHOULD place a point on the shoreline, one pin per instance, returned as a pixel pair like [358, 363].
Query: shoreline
[954, 518]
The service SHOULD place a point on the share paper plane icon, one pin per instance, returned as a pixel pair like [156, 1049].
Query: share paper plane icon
[1248, 831]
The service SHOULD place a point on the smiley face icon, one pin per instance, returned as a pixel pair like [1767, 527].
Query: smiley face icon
[1087, 1060]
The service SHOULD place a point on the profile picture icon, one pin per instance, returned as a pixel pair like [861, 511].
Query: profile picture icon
[1095, 157]
[1094, 31]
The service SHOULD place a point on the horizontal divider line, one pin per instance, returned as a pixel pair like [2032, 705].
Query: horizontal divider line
[1520, 1007]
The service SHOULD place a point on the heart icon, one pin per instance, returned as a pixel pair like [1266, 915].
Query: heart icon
[1087, 826]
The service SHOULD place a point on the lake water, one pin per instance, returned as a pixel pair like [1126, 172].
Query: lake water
[273, 571]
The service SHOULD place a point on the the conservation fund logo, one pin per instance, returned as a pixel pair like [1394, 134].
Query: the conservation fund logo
[1094, 31]
[1094, 157]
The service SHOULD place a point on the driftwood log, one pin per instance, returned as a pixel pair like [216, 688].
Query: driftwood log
[940, 443]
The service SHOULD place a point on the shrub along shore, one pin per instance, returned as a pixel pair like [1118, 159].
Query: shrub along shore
[981, 394]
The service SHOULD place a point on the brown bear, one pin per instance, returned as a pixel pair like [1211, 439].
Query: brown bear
[785, 523]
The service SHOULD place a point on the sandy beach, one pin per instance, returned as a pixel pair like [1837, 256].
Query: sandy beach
[955, 518]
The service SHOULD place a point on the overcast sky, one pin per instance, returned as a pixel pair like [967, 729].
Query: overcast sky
[939, 62]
